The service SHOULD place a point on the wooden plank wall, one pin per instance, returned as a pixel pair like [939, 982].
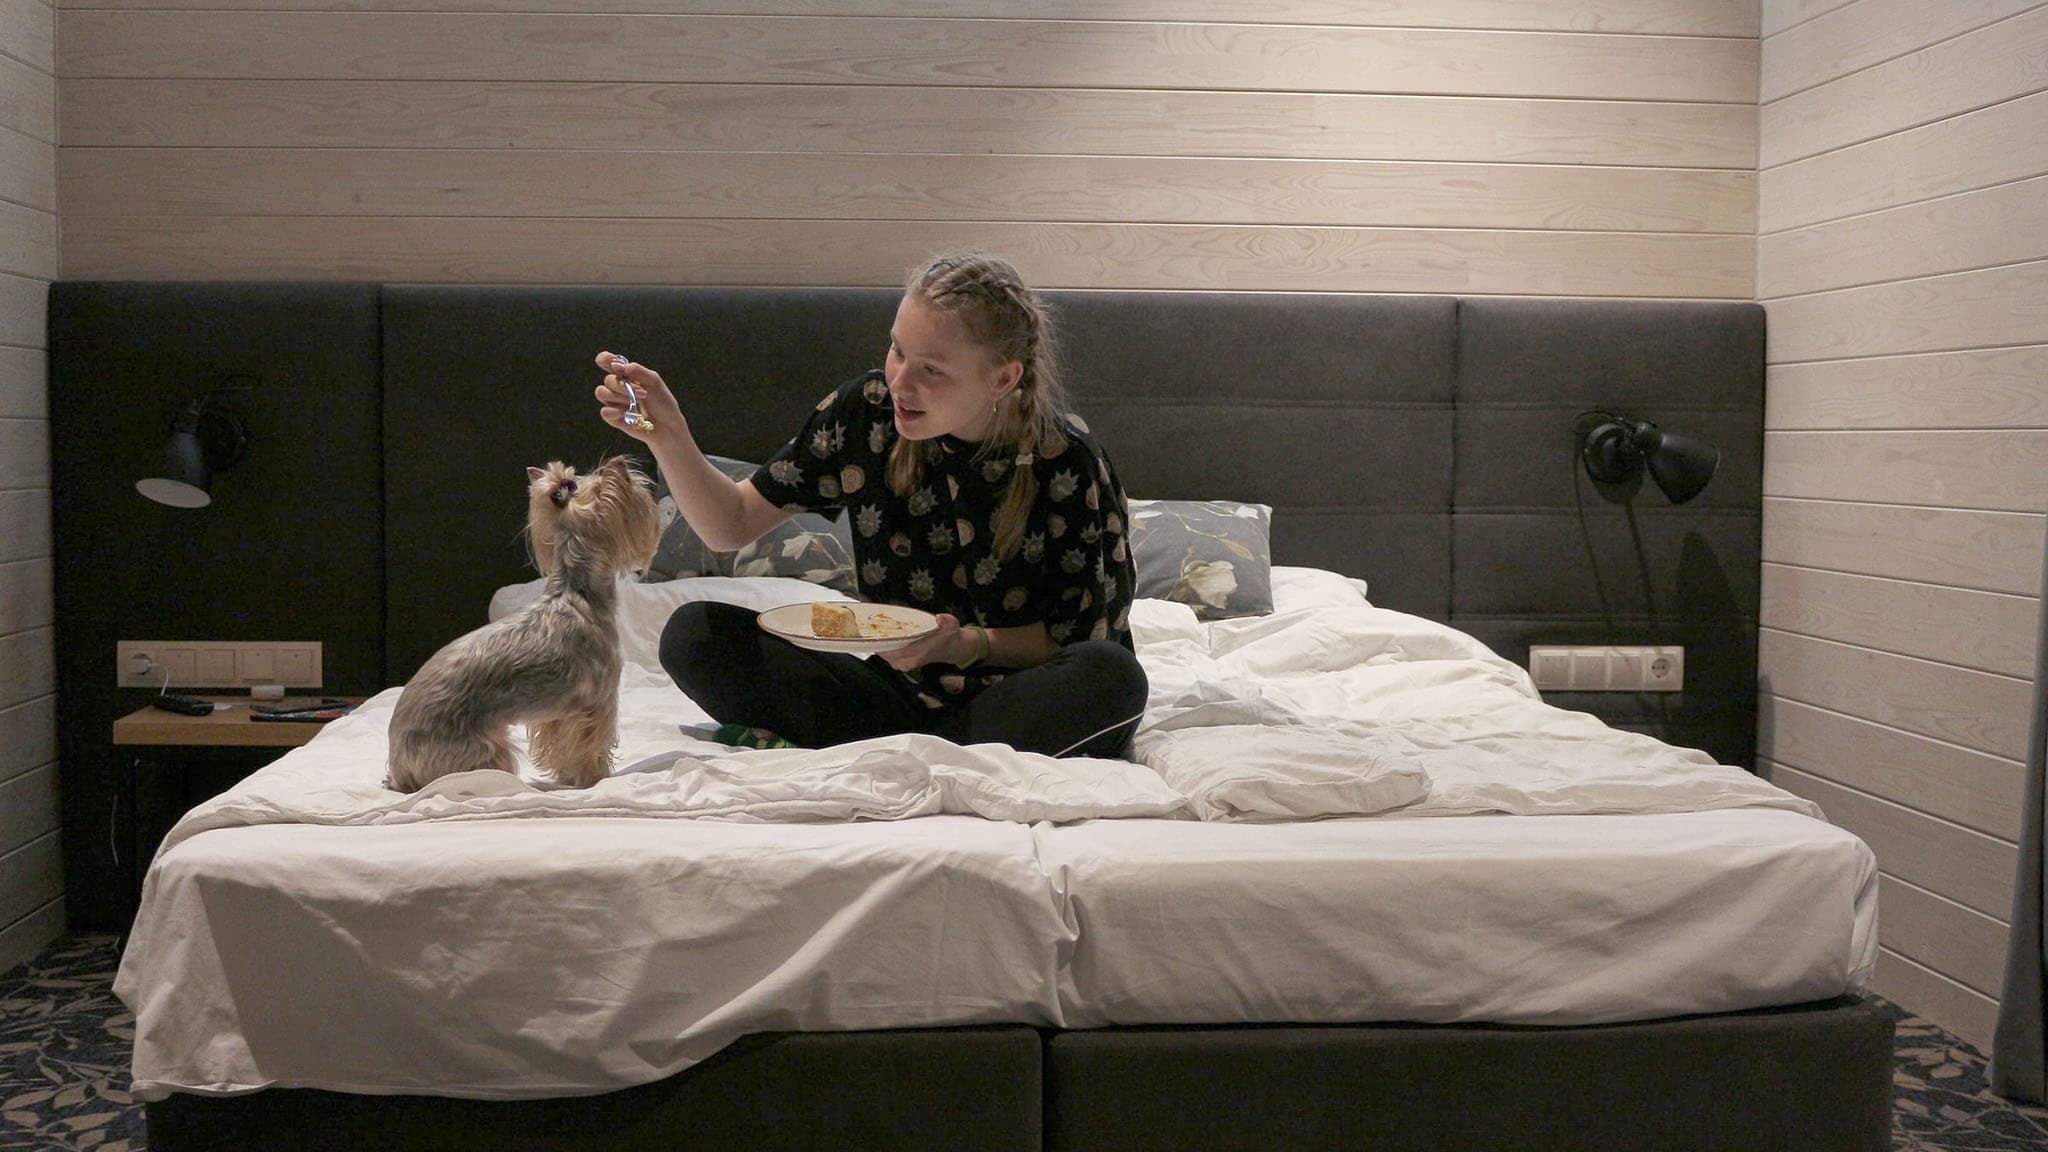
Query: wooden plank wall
[1902, 254]
[1551, 147]
[31, 860]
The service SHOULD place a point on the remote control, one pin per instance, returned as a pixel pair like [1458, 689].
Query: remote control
[188, 705]
[308, 716]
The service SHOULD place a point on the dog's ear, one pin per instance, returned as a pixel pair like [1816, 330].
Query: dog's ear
[533, 473]
[628, 471]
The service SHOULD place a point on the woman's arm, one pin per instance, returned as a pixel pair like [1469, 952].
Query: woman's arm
[1022, 646]
[727, 515]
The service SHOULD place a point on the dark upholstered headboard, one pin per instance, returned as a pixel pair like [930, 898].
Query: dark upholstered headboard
[1424, 443]
[1336, 410]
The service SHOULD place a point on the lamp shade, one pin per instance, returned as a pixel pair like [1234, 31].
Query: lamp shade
[1681, 466]
[206, 438]
[1617, 449]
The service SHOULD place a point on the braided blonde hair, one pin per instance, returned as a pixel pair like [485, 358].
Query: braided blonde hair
[1007, 319]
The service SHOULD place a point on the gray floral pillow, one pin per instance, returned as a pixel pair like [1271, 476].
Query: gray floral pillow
[1212, 555]
[807, 546]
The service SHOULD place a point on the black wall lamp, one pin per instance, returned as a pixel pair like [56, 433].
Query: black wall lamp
[207, 438]
[1616, 449]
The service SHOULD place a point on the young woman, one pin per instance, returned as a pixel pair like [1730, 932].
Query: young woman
[973, 495]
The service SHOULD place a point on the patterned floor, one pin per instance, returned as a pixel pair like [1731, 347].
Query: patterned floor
[64, 1069]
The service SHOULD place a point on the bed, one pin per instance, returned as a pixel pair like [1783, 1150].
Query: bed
[1363, 887]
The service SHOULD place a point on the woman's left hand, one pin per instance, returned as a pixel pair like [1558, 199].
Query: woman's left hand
[949, 645]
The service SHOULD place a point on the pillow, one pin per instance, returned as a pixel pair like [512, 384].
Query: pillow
[1296, 589]
[644, 609]
[807, 546]
[1212, 555]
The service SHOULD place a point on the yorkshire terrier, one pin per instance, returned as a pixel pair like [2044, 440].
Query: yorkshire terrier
[553, 665]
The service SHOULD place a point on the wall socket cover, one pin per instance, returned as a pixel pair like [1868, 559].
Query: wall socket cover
[1607, 668]
[194, 664]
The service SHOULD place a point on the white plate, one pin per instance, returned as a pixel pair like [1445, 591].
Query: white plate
[792, 622]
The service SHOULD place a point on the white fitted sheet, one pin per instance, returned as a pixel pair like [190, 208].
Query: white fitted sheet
[514, 959]
[511, 959]
[1505, 919]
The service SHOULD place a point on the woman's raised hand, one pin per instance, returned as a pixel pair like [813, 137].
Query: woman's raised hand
[625, 383]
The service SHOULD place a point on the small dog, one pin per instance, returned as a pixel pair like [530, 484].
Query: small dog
[554, 665]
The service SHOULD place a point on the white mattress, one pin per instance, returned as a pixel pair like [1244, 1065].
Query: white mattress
[1505, 919]
[508, 959]
[499, 939]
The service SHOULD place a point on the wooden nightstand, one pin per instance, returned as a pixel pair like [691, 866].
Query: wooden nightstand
[191, 759]
[227, 728]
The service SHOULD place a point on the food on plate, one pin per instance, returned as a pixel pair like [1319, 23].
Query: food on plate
[881, 626]
[836, 621]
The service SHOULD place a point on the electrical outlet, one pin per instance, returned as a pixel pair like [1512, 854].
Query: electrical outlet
[1643, 668]
[1664, 669]
[190, 664]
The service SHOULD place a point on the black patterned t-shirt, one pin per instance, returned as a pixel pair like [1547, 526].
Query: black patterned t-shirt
[933, 548]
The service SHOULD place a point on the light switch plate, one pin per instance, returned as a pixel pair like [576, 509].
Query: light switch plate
[1597, 668]
[185, 665]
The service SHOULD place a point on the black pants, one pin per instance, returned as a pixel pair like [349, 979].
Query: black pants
[1084, 701]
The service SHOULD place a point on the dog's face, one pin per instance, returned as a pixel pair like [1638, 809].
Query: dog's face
[610, 512]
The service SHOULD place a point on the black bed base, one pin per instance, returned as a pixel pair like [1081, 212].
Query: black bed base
[1806, 1078]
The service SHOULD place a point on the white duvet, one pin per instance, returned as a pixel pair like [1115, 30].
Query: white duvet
[1328, 706]
[497, 936]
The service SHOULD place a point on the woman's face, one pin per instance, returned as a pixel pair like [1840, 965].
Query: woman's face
[941, 380]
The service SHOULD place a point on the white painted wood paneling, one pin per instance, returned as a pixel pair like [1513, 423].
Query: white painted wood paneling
[1976, 150]
[28, 32]
[1987, 631]
[24, 523]
[30, 877]
[21, 941]
[1971, 788]
[28, 807]
[28, 241]
[25, 596]
[2000, 469]
[28, 171]
[1948, 860]
[28, 669]
[1663, 17]
[876, 186]
[1994, 63]
[1780, 15]
[31, 859]
[1870, 32]
[25, 454]
[1962, 548]
[1978, 710]
[28, 736]
[823, 252]
[1968, 1015]
[1961, 943]
[607, 116]
[570, 47]
[1992, 308]
[1981, 388]
[24, 309]
[1560, 147]
[22, 383]
[28, 100]
[1903, 211]
[2006, 224]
